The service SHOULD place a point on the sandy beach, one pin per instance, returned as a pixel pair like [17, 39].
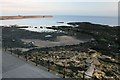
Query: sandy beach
[22, 17]
[60, 41]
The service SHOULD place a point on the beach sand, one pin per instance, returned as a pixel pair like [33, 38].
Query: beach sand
[22, 17]
[60, 41]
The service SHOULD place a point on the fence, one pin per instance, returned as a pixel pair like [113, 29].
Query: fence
[51, 66]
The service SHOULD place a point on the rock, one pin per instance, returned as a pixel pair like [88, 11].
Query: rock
[99, 74]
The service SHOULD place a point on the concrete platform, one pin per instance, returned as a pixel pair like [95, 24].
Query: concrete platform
[13, 67]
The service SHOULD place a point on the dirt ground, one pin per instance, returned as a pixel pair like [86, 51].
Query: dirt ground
[60, 41]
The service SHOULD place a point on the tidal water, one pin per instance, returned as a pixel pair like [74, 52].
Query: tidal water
[113, 21]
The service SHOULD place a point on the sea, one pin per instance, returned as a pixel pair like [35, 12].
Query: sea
[47, 22]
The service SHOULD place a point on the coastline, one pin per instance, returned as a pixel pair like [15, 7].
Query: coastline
[84, 59]
[60, 40]
[111, 21]
[23, 17]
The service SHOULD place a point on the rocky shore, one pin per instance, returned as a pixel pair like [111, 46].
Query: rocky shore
[97, 58]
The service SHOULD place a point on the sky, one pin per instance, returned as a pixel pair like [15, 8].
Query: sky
[37, 7]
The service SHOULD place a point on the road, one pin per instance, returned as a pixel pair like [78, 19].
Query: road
[13, 67]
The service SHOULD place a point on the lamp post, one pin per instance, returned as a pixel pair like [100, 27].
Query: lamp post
[11, 50]
[18, 52]
[48, 61]
[64, 72]
[48, 65]
[26, 56]
[12, 44]
[13, 40]
[36, 61]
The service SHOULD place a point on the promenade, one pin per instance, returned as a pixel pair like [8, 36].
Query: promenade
[13, 67]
